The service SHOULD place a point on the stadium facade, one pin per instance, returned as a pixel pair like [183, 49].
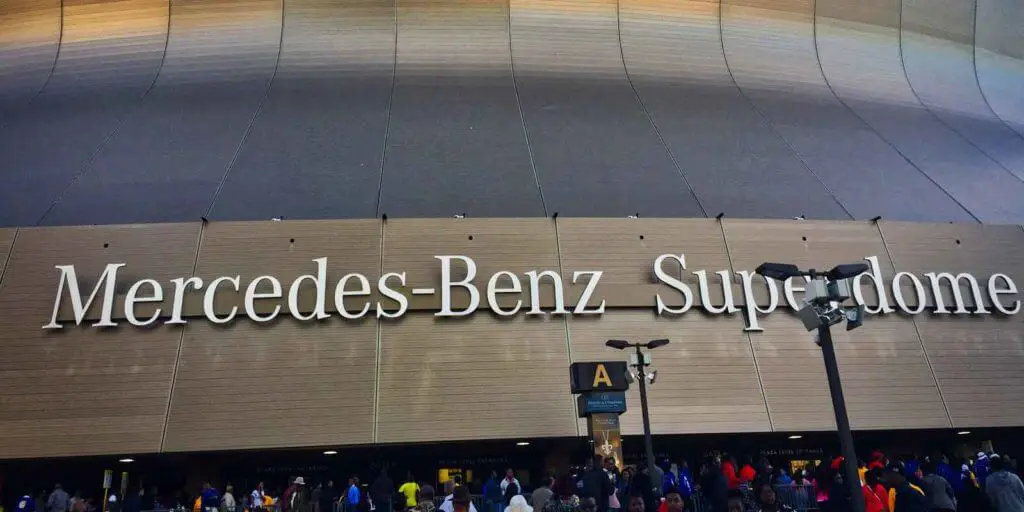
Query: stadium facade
[370, 214]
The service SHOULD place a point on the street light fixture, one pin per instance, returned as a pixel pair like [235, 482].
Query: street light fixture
[641, 375]
[825, 293]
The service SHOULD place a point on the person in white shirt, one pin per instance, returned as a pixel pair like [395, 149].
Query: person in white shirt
[257, 497]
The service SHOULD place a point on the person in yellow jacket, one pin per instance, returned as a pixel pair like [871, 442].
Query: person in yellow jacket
[197, 506]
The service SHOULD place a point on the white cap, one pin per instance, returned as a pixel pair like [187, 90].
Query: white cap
[113, 498]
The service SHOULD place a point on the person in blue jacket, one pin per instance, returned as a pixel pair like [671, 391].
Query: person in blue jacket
[685, 480]
[981, 468]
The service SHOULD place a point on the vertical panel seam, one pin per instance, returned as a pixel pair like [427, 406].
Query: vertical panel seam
[910, 84]
[56, 56]
[376, 376]
[869, 126]
[977, 79]
[640, 101]
[7, 260]
[387, 123]
[181, 343]
[920, 339]
[750, 341]
[764, 117]
[87, 164]
[252, 120]
[565, 321]
[522, 115]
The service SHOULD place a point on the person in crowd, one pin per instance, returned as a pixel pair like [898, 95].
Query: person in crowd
[518, 504]
[937, 489]
[685, 481]
[674, 502]
[597, 485]
[78, 504]
[981, 468]
[493, 493]
[542, 494]
[624, 487]
[425, 500]
[944, 469]
[314, 498]
[449, 500]
[410, 489]
[729, 471]
[878, 461]
[612, 470]
[768, 500]
[747, 473]
[58, 500]
[588, 504]
[876, 498]
[26, 503]
[329, 497]
[227, 502]
[299, 501]
[670, 479]
[461, 500]
[256, 498]
[636, 504]
[209, 498]
[714, 485]
[734, 501]
[903, 496]
[647, 485]
[510, 487]
[565, 499]
[148, 499]
[781, 477]
[381, 491]
[1003, 488]
[352, 495]
[838, 494]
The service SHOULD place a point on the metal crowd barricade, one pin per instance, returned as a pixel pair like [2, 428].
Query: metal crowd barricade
[802, 498]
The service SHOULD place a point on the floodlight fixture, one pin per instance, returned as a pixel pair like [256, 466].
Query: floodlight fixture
[778, 271]
[653, 344]
[617, 344]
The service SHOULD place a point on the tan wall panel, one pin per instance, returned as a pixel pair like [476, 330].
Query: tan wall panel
[475, 378]
[886, 378]
[625, 249]
[288, 384]
[707, 381]
[979, 250]
[977, 361]
[82, 390]
[286, 250]
[515, 245]
[808, 244]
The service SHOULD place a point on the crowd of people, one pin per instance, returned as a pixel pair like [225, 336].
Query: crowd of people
[985, 483]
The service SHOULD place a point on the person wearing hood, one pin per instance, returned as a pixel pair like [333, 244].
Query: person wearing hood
[714, 486]
[1003, 488]
[938, 490]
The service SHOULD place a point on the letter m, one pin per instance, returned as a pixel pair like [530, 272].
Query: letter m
[69, 279]
[958, 297]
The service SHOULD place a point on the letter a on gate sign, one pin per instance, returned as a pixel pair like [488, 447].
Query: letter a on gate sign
[601, 376]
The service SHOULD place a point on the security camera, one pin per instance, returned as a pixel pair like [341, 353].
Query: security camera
[839, 290]
[653, 376]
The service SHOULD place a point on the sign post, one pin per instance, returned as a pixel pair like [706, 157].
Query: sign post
[602, 398]
[108, 480]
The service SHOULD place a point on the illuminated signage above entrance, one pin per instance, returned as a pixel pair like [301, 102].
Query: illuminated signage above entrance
[949, 293]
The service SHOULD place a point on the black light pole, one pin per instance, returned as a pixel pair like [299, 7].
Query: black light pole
[642, 377]
[824, 316]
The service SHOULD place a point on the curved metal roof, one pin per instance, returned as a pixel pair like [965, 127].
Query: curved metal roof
[124, 111]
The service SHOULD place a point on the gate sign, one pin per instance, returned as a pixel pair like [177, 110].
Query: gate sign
[613, 402]
[598, 376]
